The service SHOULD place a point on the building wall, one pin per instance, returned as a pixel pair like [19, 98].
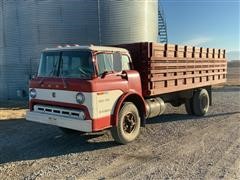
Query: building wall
[28, 26]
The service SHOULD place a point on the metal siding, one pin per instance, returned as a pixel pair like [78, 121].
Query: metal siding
[1, 27]
[62, 22]
[10, 52]
[28, 26]
[128, 21]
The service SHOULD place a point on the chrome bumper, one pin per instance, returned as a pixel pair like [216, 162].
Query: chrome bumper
[66, 122]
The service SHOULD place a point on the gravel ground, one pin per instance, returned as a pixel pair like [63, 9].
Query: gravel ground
[233, 73]
[172, 146]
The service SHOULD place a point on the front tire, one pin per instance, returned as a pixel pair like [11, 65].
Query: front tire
[201, 102]
[127, 128]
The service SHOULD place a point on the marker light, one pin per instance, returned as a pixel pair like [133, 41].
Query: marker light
[33, 93]
[80, 98]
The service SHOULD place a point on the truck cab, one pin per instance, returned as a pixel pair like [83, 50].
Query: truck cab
[88, 89]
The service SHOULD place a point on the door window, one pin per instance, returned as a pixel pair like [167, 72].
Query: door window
[125, 62]
[107, 63]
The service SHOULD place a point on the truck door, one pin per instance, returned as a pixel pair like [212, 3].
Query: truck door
[110, 84]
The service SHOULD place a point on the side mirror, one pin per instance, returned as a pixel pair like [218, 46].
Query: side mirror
[123, 74]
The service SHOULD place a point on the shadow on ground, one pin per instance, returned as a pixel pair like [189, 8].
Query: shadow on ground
[23, 140]
[184, 117]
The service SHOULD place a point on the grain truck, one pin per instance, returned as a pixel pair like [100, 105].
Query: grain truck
[92, 88]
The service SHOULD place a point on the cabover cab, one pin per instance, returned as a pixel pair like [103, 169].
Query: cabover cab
[88, 89]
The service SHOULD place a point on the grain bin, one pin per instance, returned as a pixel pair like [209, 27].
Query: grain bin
[128, 21]
[28, 26]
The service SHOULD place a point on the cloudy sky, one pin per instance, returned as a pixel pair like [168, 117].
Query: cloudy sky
[207, 23]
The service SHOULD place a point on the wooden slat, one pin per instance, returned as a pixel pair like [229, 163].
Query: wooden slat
[154, 58]
[188, 49]
[196, 49]
[185, 87]
[182, 70]
[170, 47]
[189, 81]
[157, 78]
[153, 64]
[180, 48]
[210, 50]
[188, 61]
[158, 46]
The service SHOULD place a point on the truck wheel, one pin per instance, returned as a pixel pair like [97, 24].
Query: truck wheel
[70, 131]
[189, 106]
[127, 128]
[200, 102]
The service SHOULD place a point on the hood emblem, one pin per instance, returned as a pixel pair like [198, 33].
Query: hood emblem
[53, 94]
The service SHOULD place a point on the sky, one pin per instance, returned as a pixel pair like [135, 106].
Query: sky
[205, 23]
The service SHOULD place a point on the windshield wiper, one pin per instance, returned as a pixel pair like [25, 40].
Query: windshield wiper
[54, 68]
[61, 72]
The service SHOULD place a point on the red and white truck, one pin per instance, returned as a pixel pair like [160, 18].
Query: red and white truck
[92, 88]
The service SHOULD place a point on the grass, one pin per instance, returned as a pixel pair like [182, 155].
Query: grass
[13, 109]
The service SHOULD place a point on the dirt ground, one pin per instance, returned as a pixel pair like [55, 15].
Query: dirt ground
[172, 146]
[233, 74]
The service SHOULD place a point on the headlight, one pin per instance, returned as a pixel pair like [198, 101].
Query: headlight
[33, 93]
[82, 115]
[80, 98]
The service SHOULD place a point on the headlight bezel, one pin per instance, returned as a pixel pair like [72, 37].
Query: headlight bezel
[80, 98]
[32, 93]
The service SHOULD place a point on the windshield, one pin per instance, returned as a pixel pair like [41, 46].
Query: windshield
[68, 64]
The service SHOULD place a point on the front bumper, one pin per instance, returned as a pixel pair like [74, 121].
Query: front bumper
[66, 122]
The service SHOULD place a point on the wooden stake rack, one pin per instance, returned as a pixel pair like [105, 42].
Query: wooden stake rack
[166, 68]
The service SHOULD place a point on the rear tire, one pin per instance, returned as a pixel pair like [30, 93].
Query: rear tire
[201, 102]
[189, 106]
[127, 128]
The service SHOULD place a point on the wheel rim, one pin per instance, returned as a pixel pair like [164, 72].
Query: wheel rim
[129, 123]
[204, 102]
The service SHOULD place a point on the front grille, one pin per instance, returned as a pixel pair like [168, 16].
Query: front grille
[58, 111]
